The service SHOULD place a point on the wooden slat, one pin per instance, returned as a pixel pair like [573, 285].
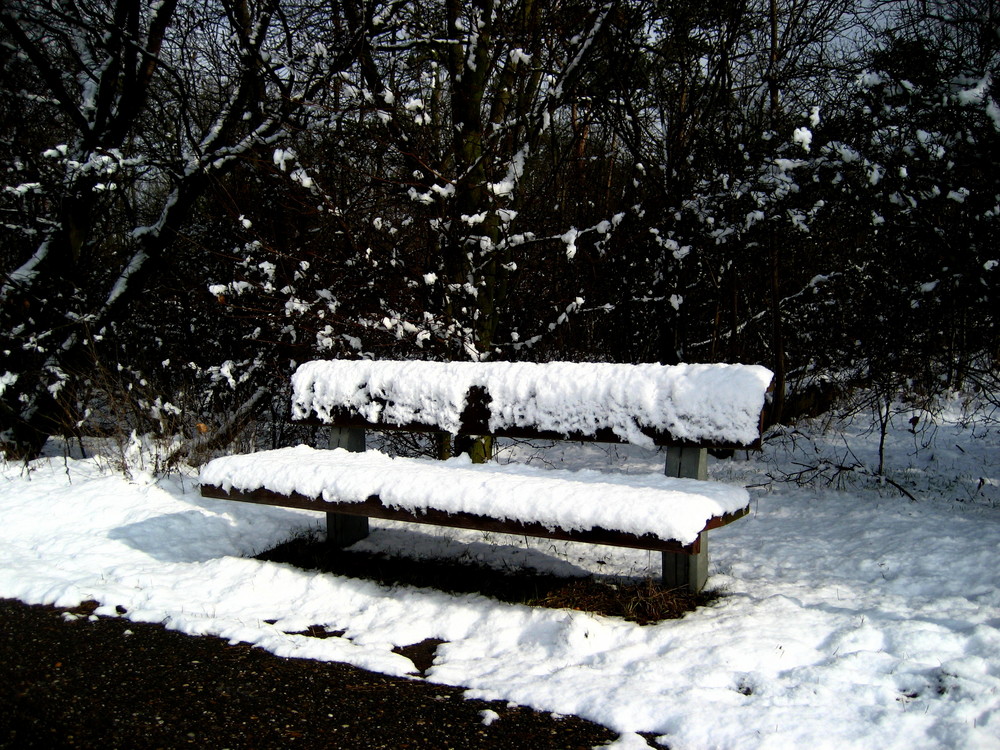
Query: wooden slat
[374, 508]
[603, 435]
[475, 418]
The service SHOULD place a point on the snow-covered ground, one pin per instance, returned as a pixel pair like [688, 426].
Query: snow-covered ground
[851, 616]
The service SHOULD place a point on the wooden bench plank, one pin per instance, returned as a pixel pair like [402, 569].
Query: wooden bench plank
[659, 402]
[374, 508]
[665, 507]
[479, 427]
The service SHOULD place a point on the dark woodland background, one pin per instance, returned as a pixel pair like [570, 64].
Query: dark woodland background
[198, 195]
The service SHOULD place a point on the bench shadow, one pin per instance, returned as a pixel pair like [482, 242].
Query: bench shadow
[642, 601]
[196, 536]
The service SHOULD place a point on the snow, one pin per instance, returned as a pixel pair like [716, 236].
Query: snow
[849, 616]
[979, 94]
[121, 283]
[8, 378]
[701, 403]
[803, 136]
[671, 509]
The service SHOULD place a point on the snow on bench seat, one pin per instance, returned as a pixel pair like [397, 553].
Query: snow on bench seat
[667, 508]
[705, 404]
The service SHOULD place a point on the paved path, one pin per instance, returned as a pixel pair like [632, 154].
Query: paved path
[111, 683]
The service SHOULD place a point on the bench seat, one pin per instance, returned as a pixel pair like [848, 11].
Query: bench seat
[645, 511]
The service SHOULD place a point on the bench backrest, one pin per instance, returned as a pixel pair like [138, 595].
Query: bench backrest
[714, 406]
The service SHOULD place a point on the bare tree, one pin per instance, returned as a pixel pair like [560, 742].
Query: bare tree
[153, 102]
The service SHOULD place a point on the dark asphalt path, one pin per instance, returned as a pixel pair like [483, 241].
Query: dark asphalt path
[111, 683]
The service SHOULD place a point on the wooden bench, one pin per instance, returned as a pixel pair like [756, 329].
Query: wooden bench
[687, 408]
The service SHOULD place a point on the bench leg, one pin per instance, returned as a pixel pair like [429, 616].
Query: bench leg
[343, 530]
[687, 463]
[687, 571]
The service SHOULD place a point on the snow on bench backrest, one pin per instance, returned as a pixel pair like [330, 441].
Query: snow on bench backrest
[715, 404]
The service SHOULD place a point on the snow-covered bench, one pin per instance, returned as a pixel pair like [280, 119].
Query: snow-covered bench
[688, 408]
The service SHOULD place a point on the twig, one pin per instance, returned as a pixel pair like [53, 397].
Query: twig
[898, 487]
